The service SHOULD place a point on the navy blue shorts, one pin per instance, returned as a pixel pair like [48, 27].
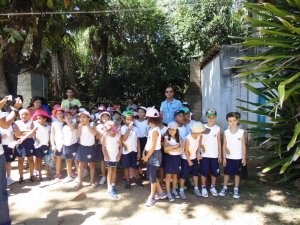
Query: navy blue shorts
[110, 164]
[58, 153]
[186, 170]
[99, 152]
[86, 153]
[9, 154]
[143, 142]
[41, 151]
[69, 152]
[172, 164]
[233, 167]
[25, 149]
[209, 166]
[129, 160]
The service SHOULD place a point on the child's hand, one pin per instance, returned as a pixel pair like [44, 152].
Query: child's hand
[106, 157]
[190, 163]
[130, 126]
[138, 156]
[219, 159]
[199, 157]
[119, 157]
[244, 162]
[224, 162]
[20, 141]
[145, 158]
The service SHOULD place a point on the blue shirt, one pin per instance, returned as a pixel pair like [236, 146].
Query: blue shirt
[168, 109]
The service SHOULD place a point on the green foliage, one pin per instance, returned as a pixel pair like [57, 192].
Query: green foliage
[276, 68]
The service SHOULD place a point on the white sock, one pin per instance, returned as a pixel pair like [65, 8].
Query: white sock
[113, 184]
[225, 186]
[196, 188]
[181, 189]
[236, 188]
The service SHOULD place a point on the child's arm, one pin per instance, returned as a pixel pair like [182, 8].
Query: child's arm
[28, 135]
[170, 148]
[17, 132]
[104, 149]
[120, 150]
[244, 162]
[198, 154]
[152, 149]
[187, 152]
[219, 147]
[52, 138]
[224, 150]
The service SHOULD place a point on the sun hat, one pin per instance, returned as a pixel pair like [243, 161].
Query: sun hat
[185, 110]
[152, 112]
[173, 125]
[128, 113]
[22, 111]
[104, 113]
[211, 112]
[40, 112]
[82, 109]
[199, 127]
[57, 109]
[177, 112]
[85, 113]
[143, 108]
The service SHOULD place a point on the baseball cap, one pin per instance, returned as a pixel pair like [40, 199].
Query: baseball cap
[152, 112]
[211, 112]
[199, 127]
[173, 125]
[178, 112]
[186, 110]
[185, 103]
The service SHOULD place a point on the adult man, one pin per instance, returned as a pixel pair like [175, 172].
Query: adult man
[70, 101]
[5, 122]
[169, 106]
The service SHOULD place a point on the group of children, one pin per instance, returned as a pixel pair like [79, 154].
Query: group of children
[127, 140]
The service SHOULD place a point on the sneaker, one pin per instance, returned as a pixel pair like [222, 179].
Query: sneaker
[213, 191]
[197, 192]
[139, 183]
[236, 194]
[150, 202]
[175, 193]
[68, 179]
[113, 193]
[160, 195]
[85, 173]
[102, 180]
[182, 195]
[57, 176]
[10, 181]
[127, 185]
[204, 192]
[170, 197]
[223, 192]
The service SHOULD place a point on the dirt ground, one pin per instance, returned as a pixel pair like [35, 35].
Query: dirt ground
[49, 203]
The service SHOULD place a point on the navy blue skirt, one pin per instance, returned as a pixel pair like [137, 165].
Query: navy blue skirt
[86, 154]
[41, 151]
[9, 153]
[70, 152]
[25, 149]
[172, 164]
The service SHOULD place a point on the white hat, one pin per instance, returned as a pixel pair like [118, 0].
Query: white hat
[22, 111]
[104, 113]
[82, 109]
[143, 108]
[85, 113]
[199, 127]
[152, 112]
[173, 125]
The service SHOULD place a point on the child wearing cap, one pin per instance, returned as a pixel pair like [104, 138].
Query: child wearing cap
[131, 152]
[173, 148]
[187, 119]
[179, 118]
[23, 132]
[57, 139]
[211, 154]
[191, 157]
[152, 156]
[70, 144]
[111, 147]
[42, 139]
[141, 124]
[234, 154]
[86, 152]
[103, 118]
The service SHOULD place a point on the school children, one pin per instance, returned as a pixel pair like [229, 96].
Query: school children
[131, 152]
[234, 154]
[211, 154]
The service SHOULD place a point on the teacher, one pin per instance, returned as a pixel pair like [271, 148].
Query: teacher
[70, 101]
[169, 106]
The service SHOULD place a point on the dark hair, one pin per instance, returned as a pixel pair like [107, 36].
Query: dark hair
[154, 120]
[33, 99]
[169, 86]
[231, 114]
[20, 97]
[70, 88]
[176, 135]
[238, 115]
[48, 120]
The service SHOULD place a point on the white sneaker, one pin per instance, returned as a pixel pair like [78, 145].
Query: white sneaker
[102, 180]
[236, 194]
[85, 173]
[197, 192]
[10, 181]
[204, 193]
[67, 179]
[213, 191]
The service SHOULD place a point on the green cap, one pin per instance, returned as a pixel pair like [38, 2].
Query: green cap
[211, 112]
[128, 113]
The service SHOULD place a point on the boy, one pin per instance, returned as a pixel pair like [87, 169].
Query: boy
[131, 149]
[211, 153]
[234, 154]
[187, 119]
[179, 118]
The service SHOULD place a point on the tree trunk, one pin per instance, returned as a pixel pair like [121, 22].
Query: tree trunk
[3, 84]
[56, 85]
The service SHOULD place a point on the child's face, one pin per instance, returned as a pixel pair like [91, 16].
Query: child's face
[128, 120]
[84, 119]
[232, 122]
[104, 118]
[141, 114]
[37, 104]
[59, 115]
[68, 116]
[180, 118]
[211, 120]
[74, 111]
[25, 116]
[187, 116]
[41, 120]
[172, 131]
[117, 116]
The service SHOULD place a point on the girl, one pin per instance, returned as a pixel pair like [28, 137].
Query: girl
[152, 156]
[191, 157]
[86, 153]
[35, 104]
[23, 132]
[111, 147]
[42, 138]
[173, 149]
[103, 117]
[70, 144]
[7, 137]
[57, 139]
